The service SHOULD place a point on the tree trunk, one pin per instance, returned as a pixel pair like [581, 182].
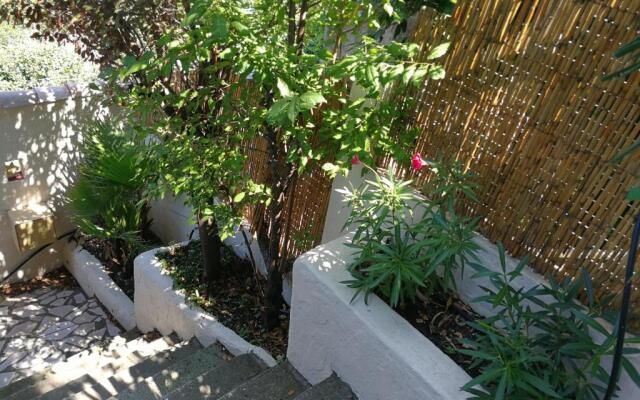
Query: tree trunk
[279, 179]
[273, 297]
[211, 257]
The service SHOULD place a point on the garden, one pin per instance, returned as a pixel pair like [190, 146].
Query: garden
[428, 198]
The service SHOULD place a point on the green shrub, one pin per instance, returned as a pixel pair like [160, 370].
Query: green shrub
[26, 63]
[109, 199]
[404, 241]
[535, 349]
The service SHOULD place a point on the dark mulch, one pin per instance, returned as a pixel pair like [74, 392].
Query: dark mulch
[60, 278]
[236, 301]
[443, 319]
[97, 248]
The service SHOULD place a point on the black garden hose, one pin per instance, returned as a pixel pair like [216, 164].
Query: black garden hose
[35, 253]
[624, 311]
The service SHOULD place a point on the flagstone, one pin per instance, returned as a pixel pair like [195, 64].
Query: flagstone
[23, 328]
[42, 327]
[62, 310]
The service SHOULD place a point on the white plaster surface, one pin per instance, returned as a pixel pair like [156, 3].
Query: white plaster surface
[159, 306]
[95, 281]
[42, 128]
[172, 220]
[378, 353]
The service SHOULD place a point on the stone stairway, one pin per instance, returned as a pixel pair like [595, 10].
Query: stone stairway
[132, 367]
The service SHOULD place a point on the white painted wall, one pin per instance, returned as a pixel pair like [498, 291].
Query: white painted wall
[369, 346]
[43, 128]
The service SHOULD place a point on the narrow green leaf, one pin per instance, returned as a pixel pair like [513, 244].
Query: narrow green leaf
[634, 194]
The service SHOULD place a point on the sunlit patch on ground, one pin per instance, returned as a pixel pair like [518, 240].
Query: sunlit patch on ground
[46, 325]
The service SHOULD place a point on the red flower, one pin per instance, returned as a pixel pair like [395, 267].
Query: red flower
[417, 162]
[355, 160]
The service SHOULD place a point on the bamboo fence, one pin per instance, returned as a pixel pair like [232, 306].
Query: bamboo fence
[310, 196]
[524, 108]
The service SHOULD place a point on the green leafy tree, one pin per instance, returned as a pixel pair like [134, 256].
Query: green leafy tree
[283, 72]
[210, 78]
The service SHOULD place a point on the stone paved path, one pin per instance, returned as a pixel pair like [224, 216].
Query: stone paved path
[40, 328]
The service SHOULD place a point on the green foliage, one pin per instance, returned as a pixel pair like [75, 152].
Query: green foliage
[406, 242]
[539, 343]
[26, 63]
[108, 201]
[232, 73]
[631, 49]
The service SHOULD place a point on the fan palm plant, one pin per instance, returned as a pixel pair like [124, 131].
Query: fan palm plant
[109, 200]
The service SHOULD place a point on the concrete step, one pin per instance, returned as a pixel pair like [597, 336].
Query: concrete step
[122, 374]
[173, 377]
[281, 382]
[93, 357]
[216, 382]
[331, 388]
[98, 363]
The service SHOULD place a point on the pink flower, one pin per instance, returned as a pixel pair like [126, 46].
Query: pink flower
[355, 160]
[417, 162]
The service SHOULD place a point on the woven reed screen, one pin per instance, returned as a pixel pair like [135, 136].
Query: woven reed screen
[310, 196]
[523, 106]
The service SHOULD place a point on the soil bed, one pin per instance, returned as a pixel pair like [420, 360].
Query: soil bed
[98, 249]
[236, 301]
[443, 319]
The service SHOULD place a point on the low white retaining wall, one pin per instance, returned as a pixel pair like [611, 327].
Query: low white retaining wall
[95, 281]
[372, 348]
[159, 306]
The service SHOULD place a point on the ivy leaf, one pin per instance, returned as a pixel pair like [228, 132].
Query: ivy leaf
[439, 51]
[309, 100]
[419, 75]
[331, 169]
[634, 194]
[396, 71]
[283, 88]
[408, 74]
